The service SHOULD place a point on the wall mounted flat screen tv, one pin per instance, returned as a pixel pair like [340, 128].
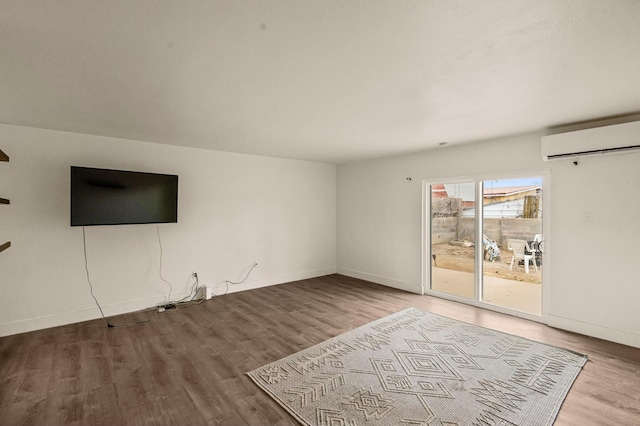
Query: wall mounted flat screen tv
[118, 197]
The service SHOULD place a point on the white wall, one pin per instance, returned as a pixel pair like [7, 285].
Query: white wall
[233, 209]
[594, 267]
[236, 208]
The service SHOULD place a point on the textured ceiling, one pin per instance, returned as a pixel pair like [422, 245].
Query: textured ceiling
[332, 81]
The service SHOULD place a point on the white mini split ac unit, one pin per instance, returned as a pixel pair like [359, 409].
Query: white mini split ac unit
[611, 139]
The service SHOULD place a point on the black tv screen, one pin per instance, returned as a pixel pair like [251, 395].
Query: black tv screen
[118, 197]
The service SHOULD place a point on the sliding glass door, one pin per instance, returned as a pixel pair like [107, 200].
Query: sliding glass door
[485, 242]
[452, 250]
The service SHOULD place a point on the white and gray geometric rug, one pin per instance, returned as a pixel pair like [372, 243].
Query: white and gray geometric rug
[418, 368]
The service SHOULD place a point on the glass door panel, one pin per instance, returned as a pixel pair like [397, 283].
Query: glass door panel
[512, 244]
[452, 239]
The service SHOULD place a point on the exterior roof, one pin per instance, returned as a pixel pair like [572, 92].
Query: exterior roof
[440, 191]
[509, 190]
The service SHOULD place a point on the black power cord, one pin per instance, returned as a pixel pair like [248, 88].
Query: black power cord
[86, 268]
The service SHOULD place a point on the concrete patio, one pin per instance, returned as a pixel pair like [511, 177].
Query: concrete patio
[516, 295]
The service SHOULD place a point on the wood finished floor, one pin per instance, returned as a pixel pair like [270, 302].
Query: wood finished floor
[186, 367]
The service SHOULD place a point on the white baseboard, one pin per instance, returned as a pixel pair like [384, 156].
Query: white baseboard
[594, 330]
[221, 288]
[54, 320]
[378, 279]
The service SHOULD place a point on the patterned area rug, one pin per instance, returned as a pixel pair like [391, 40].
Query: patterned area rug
[418, 368]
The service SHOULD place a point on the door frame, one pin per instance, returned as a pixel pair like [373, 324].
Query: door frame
[546, 284]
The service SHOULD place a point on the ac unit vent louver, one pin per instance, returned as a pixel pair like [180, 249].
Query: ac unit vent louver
[617, 138]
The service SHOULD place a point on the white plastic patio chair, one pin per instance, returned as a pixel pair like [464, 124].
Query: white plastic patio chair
[522, 251]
